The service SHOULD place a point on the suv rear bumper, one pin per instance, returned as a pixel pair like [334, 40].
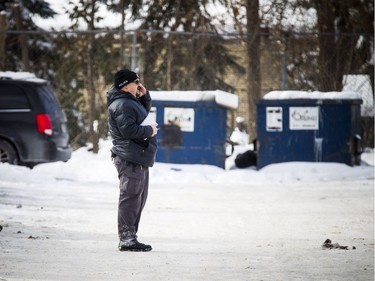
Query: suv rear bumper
[62, 154]
[46, 151]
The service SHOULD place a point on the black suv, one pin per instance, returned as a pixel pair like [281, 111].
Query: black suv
[33, 128]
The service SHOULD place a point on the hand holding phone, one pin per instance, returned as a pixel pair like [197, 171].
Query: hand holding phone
[141, 90]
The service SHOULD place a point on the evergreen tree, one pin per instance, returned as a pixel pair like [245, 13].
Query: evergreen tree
[189, 61]
[30, 8]
[133, 8]
[32, 52]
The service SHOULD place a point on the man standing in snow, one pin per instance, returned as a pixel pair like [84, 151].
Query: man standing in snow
[133, 152]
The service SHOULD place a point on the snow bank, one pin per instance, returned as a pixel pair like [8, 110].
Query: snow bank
[88, 168]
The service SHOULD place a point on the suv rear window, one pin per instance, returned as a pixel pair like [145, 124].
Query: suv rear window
[12, 97]
[49, 100]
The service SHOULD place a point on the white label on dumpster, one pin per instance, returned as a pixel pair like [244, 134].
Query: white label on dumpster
[304, 118]
[182, 117]
[274, 119]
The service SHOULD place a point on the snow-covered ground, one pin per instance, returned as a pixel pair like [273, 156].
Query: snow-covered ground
[204, 223]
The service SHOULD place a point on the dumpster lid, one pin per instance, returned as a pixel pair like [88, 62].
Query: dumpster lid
[281, 95]
[222, 98]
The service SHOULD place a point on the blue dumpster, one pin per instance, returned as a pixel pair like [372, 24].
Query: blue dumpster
[192, 125]
[309, 126]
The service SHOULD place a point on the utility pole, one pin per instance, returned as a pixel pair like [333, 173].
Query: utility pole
[93, 134]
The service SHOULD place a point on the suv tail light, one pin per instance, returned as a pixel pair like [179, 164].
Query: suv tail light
[43, 124]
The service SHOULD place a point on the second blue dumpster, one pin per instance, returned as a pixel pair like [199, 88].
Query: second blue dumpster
[309, 126]
[193, 125]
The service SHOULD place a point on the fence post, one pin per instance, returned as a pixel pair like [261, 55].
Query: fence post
[284, 62]
[134, 52]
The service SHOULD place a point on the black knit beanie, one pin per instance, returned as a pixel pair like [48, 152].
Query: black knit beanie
[124, 77]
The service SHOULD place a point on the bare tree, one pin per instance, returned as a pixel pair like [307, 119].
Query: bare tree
[87, 11]
[345, 32]
[331, 52]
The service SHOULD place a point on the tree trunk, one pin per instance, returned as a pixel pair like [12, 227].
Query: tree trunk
[253, 53]
[3, 28]
[22, 38]
[93, 134]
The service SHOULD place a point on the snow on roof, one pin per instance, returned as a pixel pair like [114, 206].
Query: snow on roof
[280, 95]
[220, 97]
[27, 76]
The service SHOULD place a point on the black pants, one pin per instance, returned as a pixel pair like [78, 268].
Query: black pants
[133, 195]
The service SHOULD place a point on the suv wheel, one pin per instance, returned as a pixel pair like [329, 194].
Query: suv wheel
[7, 153]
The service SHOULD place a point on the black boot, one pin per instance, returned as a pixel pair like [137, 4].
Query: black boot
[134, 246]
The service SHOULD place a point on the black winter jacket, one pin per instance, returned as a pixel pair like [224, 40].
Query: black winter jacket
[131, 141]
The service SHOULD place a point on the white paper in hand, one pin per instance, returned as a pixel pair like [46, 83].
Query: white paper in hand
[150, 120]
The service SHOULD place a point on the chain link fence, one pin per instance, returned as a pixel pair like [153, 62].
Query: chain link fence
[169, 61]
